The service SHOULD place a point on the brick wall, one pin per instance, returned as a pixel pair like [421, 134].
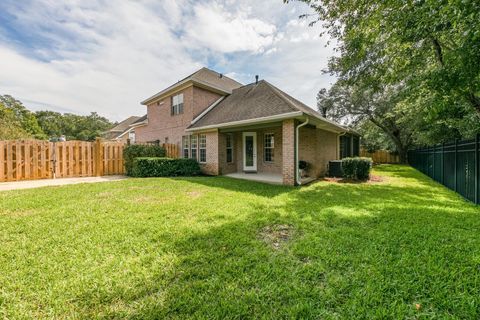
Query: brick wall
[262, 165]
[162, 125]
[307, 149]
[224, 167]
[211, 167]
[317, 147]
[327, 145]
[288, 149]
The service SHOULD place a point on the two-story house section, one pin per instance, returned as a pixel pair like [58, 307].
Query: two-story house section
[172, 110]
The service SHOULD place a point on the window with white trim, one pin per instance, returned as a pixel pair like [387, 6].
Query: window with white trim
[229, 146]
[268, 147]
[185, 146]
[193, 147]
[202, 148]
[177, 104]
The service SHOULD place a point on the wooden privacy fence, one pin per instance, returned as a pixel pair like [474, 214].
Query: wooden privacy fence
[381, 156]
[34, 159]
[37, 159]
[171, 150]
[456, 165]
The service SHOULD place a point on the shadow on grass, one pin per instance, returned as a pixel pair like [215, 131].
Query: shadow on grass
[239, 185]
[368, 251]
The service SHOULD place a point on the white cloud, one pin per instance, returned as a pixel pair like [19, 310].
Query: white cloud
[214, 26]
[108, 56]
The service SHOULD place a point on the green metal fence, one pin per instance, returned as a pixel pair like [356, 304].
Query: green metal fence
[455, 165]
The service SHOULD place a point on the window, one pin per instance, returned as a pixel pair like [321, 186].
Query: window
[203, 148]
[131, 136]
[177, 104]
[193, 147]
[268, 147]
[185, 146]
[229, 144]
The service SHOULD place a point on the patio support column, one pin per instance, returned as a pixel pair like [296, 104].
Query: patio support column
[288, 152]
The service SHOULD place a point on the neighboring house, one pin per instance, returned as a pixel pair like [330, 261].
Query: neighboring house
[124, 130]
[252, 131]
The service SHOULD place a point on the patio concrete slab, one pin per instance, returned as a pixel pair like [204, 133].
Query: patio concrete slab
[29, 184]
[273, 178]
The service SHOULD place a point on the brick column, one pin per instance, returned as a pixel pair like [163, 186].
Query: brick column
[288, 151]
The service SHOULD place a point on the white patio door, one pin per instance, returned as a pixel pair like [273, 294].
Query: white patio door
[249, 151]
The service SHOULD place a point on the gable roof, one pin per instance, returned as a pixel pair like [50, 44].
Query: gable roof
[257, 101]
[120, 128]
[141, 120]
[206, 78]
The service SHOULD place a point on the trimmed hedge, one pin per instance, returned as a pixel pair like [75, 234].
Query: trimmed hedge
[357, 168]
[139, 150]
[164, 167]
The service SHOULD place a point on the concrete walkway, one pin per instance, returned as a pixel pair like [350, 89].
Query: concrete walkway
[16, 185]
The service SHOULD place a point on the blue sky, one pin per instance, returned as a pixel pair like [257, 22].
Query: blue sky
[107, 56]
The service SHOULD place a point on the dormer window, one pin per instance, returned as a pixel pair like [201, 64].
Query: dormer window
[177, 104]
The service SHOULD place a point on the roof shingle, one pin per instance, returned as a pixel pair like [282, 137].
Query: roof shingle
[251, 102]
[205, 76]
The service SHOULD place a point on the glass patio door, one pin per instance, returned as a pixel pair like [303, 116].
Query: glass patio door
[249, 151]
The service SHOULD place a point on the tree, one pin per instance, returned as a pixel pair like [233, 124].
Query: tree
[10, 126]
[429, 48]
[357, 104]
[72, 126]
[18, 120]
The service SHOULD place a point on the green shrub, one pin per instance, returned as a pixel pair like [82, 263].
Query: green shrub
[164, 167]
[139, 150]
[357, 168]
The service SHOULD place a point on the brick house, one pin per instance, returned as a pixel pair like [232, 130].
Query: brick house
[253, 131]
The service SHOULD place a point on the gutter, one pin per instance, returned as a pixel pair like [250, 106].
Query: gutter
[249, 121]
[297, 162]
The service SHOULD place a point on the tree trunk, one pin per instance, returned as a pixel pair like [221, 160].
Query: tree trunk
[402, 153]
[475, 101]
[394, 134]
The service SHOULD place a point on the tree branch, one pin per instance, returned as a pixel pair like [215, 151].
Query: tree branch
[438, 51]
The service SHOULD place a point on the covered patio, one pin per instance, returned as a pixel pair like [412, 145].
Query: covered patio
[267, 177]
[273, 178]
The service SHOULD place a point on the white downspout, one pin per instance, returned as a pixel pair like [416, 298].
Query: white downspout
[297, 169]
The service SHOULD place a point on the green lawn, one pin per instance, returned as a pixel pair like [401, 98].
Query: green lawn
[207, 247]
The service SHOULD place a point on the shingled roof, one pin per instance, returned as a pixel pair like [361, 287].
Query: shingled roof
[120, 128]
[206, 77]
[255, 101]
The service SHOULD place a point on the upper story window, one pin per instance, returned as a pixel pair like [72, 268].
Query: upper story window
[177, 104]
[268, 147]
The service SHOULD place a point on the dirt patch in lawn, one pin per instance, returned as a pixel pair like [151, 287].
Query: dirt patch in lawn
[194, 194]
[276, 235]
[373, 179]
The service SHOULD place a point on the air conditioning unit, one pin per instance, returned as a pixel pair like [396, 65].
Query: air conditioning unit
[335, 168]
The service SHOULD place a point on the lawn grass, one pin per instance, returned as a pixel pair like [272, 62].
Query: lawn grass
[194, 248]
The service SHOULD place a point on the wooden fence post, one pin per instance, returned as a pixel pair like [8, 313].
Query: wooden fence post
[98, 157]
[477, 165]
